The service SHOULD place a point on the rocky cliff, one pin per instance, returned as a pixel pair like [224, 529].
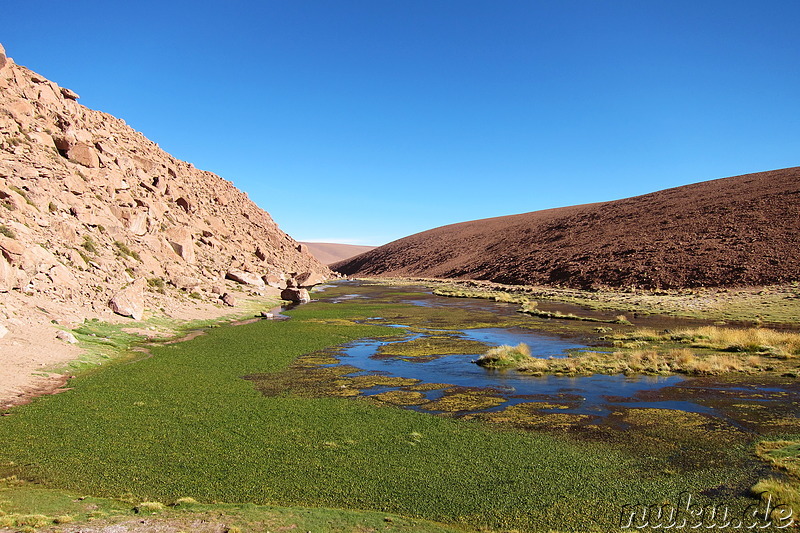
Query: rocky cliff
[89, 207]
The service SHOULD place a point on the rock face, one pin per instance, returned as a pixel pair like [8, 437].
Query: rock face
[88, 205]
[130, 300]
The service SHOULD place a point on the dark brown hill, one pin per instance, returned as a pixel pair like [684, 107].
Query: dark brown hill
[743, 230]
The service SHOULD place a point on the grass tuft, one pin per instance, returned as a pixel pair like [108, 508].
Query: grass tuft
[505, 356]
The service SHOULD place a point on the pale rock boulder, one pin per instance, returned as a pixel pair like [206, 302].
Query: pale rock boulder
[69, 94]
[180, 239]
[184, 282]
[309, 279]
[228, 299]
[83, 154]
[272, 280]
[245, 278]
[42, 138]
[9, 275]
[62, 278]
[3, 59]
[66, 336]
[130, 300]
[294, 294]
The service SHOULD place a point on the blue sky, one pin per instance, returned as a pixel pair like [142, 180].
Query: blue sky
[366, 121]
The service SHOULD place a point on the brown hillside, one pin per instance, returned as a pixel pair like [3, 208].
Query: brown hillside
[88, 206]
[328, 252]
[743, 230]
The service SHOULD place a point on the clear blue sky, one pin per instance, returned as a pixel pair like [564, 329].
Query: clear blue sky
[366, 121]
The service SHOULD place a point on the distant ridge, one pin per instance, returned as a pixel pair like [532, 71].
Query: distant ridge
[738, 231]
[327, 252]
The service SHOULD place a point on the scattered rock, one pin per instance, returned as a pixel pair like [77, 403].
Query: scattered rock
[83, 154]
[294, 294]
[309, 279]
[245, 278]
[69, 94]
[66, 336]
[272, 280]
[130, 300]
[228, 299]
[180, 239]
[188, 283]
[3, 331]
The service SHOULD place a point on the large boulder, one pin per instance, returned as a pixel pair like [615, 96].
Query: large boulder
[272, 280]
[3, 59]
[130, 300]
[83, 154]
[309, 279]
[294, 294]
[180, 239]
[245, 278]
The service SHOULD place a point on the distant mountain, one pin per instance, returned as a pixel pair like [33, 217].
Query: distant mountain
[328, 253]
[743, 230]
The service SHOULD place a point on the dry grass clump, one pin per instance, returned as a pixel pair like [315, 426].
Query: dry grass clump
[674, 361]
[783, 455]
[505, 356]
[149, 507]
[781, 344]
[783, 495]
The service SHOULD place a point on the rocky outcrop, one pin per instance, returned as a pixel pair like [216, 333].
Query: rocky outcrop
[295, 294]
[88, 205]
[130, 300]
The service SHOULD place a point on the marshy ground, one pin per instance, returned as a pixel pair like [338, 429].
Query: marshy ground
[367, 399]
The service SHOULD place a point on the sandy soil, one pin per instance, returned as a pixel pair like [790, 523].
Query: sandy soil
[31, 356]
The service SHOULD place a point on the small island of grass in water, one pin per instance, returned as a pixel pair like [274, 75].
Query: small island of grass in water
[700, 351]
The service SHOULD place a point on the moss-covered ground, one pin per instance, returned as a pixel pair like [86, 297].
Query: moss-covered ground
[182, 421]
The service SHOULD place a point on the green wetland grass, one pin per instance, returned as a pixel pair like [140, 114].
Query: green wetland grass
[184, 422]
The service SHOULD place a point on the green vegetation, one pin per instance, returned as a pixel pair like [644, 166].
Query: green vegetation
[431, 347]
[778, 304]
[89, 245]
[784, 456]
[25, 504]
[124, 251]
[181, 422]
[23, 193]
[8, 232]
[158, 284]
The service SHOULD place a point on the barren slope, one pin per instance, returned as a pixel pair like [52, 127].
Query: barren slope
[88, 206]
[328, 252]
[743, 230]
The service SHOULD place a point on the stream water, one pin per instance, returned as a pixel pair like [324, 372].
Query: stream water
[596, 395]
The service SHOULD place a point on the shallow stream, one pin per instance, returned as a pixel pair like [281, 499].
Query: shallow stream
[597, 395]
